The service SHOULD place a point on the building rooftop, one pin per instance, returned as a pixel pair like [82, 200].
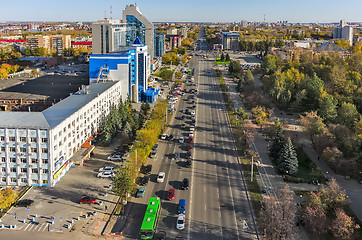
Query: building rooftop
[330, 47]
[65, 108]
[34, 120]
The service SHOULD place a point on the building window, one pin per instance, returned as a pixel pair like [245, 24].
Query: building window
[13, 180]
[33, 140]
[34, 170]
[24, 170]
[3, 179]
[45, 170]
[23, 180]
[45, 161]
[12, 159]
[45, 181]
[2, 138]
[12, 139]
[12, 149]
[3, 159]
[23, 150]
[34, 150]
[34, 181]
[44, 140]
[12, 169]
[55, 147]
[44, 150]
[55, 137]
[23, 160]
[34, 160]
[3, 149]
[60, 143]
[3, 169]
[22, 139]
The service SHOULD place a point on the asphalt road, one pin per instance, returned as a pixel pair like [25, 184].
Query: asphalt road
[217, 204]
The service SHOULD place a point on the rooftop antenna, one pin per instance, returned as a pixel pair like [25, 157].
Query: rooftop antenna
[105, 14]
[264, 17]
[110, 12]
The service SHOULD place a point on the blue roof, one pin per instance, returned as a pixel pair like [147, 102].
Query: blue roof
[137, 41]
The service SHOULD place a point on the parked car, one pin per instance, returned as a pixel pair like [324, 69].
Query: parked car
[105, 174]
[161, 177]
[141, 192]
[181, 206]
[185, 184]
[189, 147]
[177, 155]
[153, 154]
[193, 112]
[115, 157]
[24, 203]
[191, 133]
[183, 125]
[190, 139]
[180, 225]
[155, 148]
[144, 180]
[170, 137]
[188, 163]
[164, 136]
[106, 169]
[146, 169]
[87, 200]
[171, 194]
[181, 140]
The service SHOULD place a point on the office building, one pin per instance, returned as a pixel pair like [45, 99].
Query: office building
[230, 41]
[138, 26]
[159, 44]
[343, 31]
[38, 148]
[108, 36]
[131, 63]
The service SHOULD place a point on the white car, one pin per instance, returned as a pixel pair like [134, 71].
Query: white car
[105, 174]
[191, 133]
[106, 169]
[193, 112]
[161, 177]
[164, 136]
[180, 225]
[115, 157]
[181, 140]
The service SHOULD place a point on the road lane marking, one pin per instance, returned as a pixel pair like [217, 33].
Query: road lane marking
[28, 225]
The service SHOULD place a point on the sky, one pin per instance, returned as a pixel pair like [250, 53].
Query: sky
[321, 11]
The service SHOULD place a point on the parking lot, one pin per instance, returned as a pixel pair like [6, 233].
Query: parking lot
[58, 209]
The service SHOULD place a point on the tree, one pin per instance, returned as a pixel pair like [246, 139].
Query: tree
[314, 214]
[313, 124]
[268, 64]
[333, 196]
[328, 108]
[287, 159]
[222, 57]
[235, 68]
[145, 107]
[260, 115]
[7, 197]
[227, 58]
[249, 78]
[348, 114]
[277, 218]
[277, 137]
[343, 226]
[123, 182]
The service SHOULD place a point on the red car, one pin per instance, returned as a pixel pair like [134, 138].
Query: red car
[87, 199]
[171, 194]
[189, 147]
[191, 140]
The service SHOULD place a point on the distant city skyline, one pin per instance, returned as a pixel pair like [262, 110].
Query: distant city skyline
[308, 11]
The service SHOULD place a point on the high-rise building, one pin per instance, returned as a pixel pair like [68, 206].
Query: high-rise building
[108, 36]
[159, 44]
[230, 41]
[343, 31]
[138, 26]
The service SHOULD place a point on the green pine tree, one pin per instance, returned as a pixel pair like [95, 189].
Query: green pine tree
[277, 142]
[287, 160]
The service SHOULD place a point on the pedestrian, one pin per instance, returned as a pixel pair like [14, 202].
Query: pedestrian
[105, 207]
[83, 164]
[16, 217]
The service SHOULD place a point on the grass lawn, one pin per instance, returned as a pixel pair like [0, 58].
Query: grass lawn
[307, 170]
[218, 62]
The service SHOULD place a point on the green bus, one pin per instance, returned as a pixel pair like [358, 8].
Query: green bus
[150, 220]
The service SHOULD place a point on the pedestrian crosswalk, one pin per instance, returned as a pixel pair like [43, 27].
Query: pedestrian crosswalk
[35, 227]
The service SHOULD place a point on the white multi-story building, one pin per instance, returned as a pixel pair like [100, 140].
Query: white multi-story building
[37, 147]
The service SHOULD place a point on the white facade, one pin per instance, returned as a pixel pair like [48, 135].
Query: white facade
[108, 35]
[343, 32]
[36, 147]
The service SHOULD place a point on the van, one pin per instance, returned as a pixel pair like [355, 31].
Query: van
[182, 206]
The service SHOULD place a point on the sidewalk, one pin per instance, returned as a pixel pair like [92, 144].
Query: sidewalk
[267, 177]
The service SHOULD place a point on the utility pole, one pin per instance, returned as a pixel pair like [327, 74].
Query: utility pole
[252, 165]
